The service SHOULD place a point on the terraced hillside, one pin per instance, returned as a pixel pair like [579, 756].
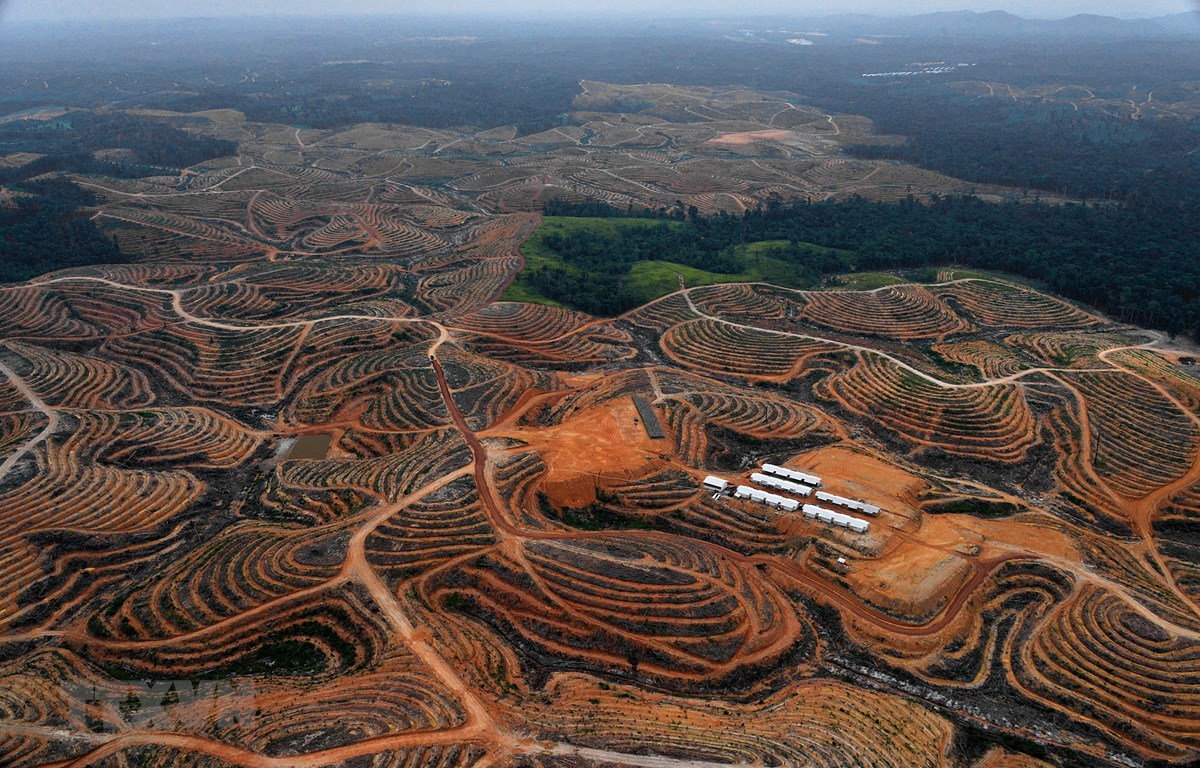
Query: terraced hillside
[487, 560]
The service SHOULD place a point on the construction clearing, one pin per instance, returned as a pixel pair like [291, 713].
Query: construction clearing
[649, 418]
[775, 480]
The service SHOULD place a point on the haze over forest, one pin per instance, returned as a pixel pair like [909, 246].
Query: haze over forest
[55, 10]
[663, 384]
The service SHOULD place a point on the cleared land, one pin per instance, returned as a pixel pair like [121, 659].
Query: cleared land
[494, 564]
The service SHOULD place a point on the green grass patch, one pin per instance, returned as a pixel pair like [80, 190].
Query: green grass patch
[761, 263]
[538, 255]
[768, 247]
[522, 291]
[652, 279]
[606, 266]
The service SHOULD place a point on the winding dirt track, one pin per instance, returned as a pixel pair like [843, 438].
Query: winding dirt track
[479, 452]
[842, 598]
[36, 402]
[863, 350]
[480, 726]
[485, 725]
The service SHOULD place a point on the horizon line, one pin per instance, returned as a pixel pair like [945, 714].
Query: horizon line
[657, 15]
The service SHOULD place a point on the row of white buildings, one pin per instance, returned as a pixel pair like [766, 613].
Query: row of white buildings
[801, 484]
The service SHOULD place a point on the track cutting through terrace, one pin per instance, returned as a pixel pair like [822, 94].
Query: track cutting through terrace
[36, 402]
[454, 619]
[480, 727]
[1013, 378]
[842, 598]
[498, 519]
[177, 306]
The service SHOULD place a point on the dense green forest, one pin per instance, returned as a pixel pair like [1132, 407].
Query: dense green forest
[1085, 153]
[609, 265]
[149, 146]
[44, 231]
[1139, 266]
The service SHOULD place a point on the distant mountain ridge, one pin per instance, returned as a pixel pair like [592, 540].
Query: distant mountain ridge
[1187, 23]
[1005, 24]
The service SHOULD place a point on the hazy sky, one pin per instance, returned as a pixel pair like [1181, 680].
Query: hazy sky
[91, 9]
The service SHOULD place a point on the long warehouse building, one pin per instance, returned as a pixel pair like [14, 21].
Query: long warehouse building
[770, 499]
[830, 517]
[790, 474]
[858, 506]
[650, 420]
[779, 484]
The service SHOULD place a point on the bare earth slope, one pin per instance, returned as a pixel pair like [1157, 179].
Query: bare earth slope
[494, 563]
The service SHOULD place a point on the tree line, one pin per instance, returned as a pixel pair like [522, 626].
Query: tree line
[69, 143]
[1040, 145]
[1137, 265]
[43, 230]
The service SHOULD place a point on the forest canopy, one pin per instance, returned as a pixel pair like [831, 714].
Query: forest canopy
[1137, 266]
[44, 231]
[137, 146]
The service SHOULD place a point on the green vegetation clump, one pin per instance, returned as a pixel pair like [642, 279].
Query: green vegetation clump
[1140, 269]
[974, 507]
[606, 266]
[293, 653]
[44, 231]
[599, 517]
[973, 743]
[456, 601]
[278, 657]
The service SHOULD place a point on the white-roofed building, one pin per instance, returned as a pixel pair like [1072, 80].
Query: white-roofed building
[829, 517]
[858, 506]
[779, 484]
[790, 474]
[714, 483]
